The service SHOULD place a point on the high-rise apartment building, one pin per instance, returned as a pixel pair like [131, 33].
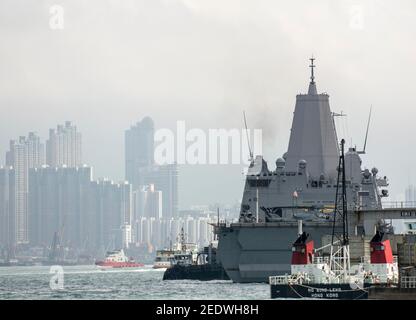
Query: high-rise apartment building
[37, 200]
[110, 215]
[58, 202]
[64, 147]
[20, 188]
[148, 202]
[35, 151]
[5, 203]
[165, 179]
[24, 154]
[88, 214]
[164, 233]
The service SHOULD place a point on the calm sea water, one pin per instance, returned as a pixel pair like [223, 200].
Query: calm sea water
[89, 282]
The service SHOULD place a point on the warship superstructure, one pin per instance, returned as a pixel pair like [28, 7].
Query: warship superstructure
[297, 194]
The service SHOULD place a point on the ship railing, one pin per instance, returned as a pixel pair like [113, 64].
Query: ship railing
[290, 279]
[408, 282]
[321, 260]
[274, 280]
[286, 279]
[398, 204]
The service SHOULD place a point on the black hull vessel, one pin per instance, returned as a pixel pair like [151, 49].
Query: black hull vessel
[205, 272]
[318, 291]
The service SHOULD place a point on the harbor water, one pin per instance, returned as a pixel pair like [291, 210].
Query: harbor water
[90, 282]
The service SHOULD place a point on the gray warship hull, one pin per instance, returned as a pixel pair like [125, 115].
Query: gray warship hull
[302, 187]
[254, 252]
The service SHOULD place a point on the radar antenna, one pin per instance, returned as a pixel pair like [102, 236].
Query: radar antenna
[366, 133]
[248, 140]
[335, 114]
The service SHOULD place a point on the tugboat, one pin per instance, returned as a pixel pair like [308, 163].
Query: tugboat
[333, 277]
[205, 268]
[117, 259]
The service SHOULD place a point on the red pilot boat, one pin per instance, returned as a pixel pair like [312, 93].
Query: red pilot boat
[117, 259]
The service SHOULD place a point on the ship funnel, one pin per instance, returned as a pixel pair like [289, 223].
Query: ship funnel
[302, 250]
[380, 249]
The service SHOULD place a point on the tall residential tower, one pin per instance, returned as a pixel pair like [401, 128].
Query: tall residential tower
[24, 154]
[64, 146]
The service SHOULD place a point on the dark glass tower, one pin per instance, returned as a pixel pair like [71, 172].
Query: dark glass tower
[139, 148]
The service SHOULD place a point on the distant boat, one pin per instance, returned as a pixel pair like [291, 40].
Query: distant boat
[184, 253]
[117, 259]
[164, 259]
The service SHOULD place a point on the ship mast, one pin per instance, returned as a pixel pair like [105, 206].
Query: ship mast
[182, 240]
[312, 66]
[248, 138]
[340, 250]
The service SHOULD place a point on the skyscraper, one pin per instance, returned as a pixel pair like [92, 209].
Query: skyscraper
[110, 214]
[23, 154]
[139, 149]
[57, 203]
[35, 150]
[88, 214]
[20, 188]
[165, 179]
[64, 146]
[4, 206]
[142, 171]
[148, 202]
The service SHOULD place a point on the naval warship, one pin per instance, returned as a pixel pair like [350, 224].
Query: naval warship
[297, 194]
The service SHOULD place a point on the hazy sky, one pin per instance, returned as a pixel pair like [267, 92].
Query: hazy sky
[115, 62]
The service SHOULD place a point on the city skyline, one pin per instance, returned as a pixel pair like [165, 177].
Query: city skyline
[51, 152]
[219, 169]
[49, 193]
